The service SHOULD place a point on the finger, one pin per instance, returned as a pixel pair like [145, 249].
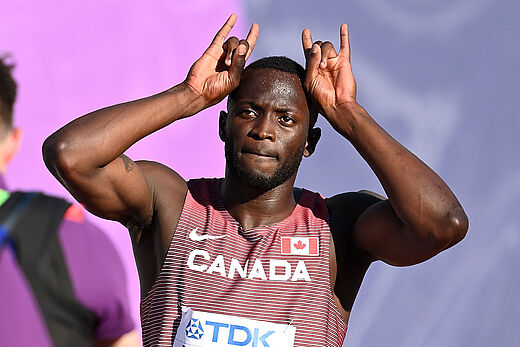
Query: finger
[306, 42]
[344, 48]
[238, 62]
[312, 63]
[327, 51]
[221, 35]
[229, 47]
[251, 38]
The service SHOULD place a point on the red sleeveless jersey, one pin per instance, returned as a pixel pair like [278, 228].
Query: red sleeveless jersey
[221, 285]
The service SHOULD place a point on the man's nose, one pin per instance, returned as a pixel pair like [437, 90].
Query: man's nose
[264, 128]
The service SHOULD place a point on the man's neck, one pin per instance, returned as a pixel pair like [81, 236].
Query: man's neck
[253, 207]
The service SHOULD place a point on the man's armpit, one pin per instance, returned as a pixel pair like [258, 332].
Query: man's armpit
[129, 163]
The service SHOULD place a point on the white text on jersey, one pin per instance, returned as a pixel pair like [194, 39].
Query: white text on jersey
[198, 260]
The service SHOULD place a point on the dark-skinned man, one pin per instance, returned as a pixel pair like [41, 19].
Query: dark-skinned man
[249, 259]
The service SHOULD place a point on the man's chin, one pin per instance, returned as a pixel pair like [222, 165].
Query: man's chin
[258, 180]
[261, 177]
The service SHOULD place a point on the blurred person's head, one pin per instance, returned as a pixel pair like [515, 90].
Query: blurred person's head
[10, 137]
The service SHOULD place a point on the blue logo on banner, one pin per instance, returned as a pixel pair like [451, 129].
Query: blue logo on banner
[250, 336]
[194, 329]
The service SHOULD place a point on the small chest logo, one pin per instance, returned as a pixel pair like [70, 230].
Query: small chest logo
[202, 237]
[300, 246]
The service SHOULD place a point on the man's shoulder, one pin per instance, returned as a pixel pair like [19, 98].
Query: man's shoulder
[353, 200]
[345, 208]
[166, 185]
[160, 177]
[205, 185]
[205, 180]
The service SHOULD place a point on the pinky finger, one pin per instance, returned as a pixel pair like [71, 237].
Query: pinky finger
[344, 48]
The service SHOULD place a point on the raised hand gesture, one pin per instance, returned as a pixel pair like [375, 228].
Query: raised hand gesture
[217, 72]
[329, 79]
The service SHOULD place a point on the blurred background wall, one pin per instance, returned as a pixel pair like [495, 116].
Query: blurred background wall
[441, 76]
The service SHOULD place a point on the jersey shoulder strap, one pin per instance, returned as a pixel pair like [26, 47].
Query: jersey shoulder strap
[31, 221]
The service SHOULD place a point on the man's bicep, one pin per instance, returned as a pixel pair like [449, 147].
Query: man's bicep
[380, 233]
[118, 191]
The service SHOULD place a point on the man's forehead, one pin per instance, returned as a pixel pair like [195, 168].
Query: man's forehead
[269, 75]
[260, 81]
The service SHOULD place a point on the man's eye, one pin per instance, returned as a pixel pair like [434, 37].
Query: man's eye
[247, 114]
[286, 120]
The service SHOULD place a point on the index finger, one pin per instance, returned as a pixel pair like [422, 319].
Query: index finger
[251, 38]
[221, 35]
[306, 42]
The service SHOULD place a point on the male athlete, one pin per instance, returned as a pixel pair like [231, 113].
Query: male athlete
[53, 292]
[250, 260]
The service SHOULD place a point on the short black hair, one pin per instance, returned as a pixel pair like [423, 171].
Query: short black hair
[8, 90]
[288, 65]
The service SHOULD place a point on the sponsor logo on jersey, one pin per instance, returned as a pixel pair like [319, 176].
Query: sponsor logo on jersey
[277, 269]
[194, 329]
[201, 237]
[198, 329]
[300, 246]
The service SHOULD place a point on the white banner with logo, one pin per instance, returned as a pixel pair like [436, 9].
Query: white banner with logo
[201, 329]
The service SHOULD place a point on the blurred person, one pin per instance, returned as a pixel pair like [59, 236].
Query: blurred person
[61, 280]
[249, 259]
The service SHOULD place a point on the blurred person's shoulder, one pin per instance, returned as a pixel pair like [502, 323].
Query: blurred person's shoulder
[97, 272]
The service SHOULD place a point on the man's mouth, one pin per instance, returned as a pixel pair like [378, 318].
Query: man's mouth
[259, 153]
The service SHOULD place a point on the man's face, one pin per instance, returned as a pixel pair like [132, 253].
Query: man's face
[265, 132]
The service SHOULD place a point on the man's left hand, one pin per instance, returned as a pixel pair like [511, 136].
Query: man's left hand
[329, 79]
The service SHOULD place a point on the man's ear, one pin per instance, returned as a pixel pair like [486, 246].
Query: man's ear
[222, 125]
[9, 147]
[312, 140]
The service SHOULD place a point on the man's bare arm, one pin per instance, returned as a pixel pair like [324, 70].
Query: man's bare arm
[421, 216]
[86, 155]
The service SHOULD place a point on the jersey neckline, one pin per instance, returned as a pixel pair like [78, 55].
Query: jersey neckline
[262, 229]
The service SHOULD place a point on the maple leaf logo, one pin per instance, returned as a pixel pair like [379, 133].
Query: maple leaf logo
[300, 245]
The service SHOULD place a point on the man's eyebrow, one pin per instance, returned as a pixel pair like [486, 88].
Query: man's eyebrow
[280, 109]
[286, 110]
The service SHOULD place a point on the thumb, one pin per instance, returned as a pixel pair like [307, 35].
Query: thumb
[238, 62]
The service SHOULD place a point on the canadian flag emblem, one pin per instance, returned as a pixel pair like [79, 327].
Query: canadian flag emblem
[300, 246]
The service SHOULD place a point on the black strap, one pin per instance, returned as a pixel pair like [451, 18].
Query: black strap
[38, 250]
[9, 214]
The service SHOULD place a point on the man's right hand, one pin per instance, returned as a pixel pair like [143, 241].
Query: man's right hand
[217, 72]
[86, 155]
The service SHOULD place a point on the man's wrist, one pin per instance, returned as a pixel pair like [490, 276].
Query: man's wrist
[192, 101]
[344, 118]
